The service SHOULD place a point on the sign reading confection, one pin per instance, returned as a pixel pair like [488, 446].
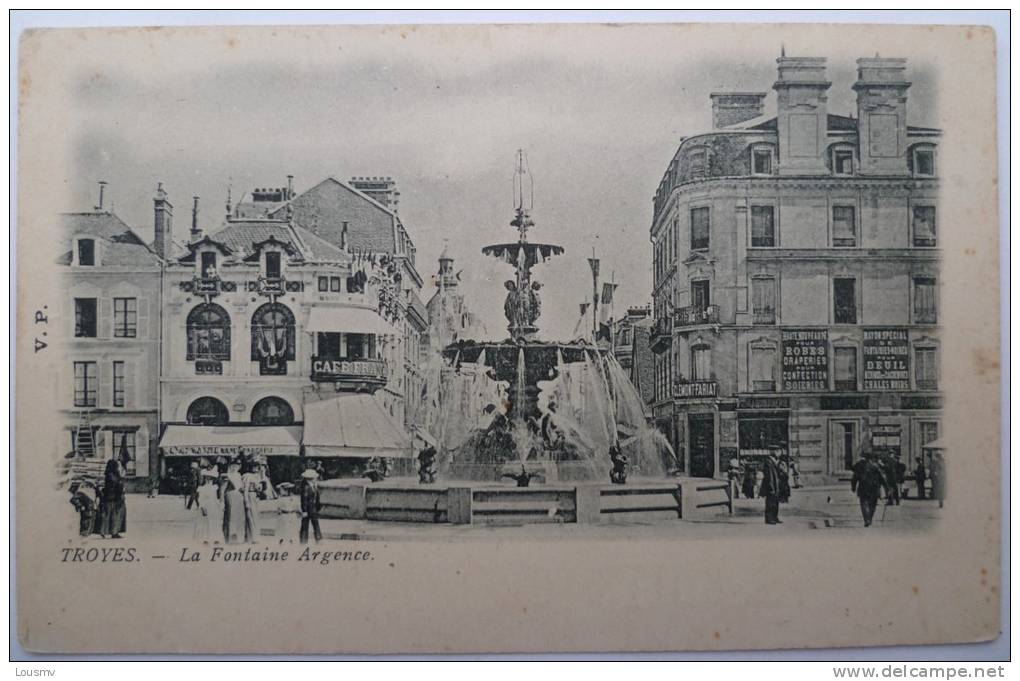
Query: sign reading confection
[886, 359]
[805, 360]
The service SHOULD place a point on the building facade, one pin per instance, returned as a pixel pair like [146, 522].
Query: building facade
[110, 311]
[796, 277]
[632, 350]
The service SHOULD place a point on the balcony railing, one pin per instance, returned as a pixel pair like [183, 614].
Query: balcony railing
[661, 332]
[694, 315]
[764, 315]
[763, 386]
[685, 390]
[927, 384]
[330, 369]
[845, 314]
[847, 386]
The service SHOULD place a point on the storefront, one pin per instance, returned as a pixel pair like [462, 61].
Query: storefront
[345, 431]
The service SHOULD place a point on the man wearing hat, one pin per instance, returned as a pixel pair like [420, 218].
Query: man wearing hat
[310, 505]
[772, 486]
[868, 482]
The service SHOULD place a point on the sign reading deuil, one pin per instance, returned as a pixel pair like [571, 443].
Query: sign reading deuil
[805, 360]
[886, 359]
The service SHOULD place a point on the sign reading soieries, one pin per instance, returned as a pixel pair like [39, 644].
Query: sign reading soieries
[805, 360]
[886, 359]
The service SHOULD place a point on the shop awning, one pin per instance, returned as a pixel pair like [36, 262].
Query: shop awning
[213, 441]
[353, 426]
[347, 319]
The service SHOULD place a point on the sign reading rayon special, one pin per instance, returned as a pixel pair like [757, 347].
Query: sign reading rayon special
[806, 360]
[886, 359]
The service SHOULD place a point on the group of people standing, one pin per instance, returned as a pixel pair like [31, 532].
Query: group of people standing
[226, 495]
[769, 479]
[101, 507]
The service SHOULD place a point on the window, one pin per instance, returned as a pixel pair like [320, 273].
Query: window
[763, 369]
[323, 284]
[763, 227]
[361, 346]
[842, 161]
[124, 450]
[701, 363]
[846, 369]
[85, 384]
[272, 411]
[924, 300]
[924, 162]
[924, 225]
[844, 296]
[208, 411]
[118, 384]
[86, 252]
[763, 300]
[844, 226]
[125, 317]
[84, 317]
[334, 284]
[700, 296]
[761, 161]
[273, 265]
[208, 265]
[926, 368]
[272, 338]
[208, 329]
[698, 165]
[699, 229]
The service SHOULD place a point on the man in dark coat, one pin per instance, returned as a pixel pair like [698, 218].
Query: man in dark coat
[889, 473]
[868, 482]
[771, 487]
[310, 505]
[920, 476]
[193, 483]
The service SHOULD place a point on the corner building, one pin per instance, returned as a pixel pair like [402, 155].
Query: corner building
[796, 277]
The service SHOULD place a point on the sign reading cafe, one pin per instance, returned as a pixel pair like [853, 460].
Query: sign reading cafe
[805, 360]
[886, 359]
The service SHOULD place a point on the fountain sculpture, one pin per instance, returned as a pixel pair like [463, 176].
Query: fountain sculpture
[553, 409]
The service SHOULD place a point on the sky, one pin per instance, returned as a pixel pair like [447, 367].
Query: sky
[599, 110]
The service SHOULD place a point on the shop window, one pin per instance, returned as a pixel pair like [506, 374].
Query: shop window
[844, 295]
[926, 368]
[86, 252]
[272, 411]
[361, 346]
[328, 345]
[208, 329]
[763, 227]
[208, 265]
[118, 384]
[925, 311]
[272, 339]
[845, 369]
[923, 226]
[208, 411]
[85, 315]
[763, 369]
[701, 363]
[124, 450]
[763, 300]
[273, 266]
[125, 317]
[924, 162]
[700, 229]
[844, 226]
[86, 384]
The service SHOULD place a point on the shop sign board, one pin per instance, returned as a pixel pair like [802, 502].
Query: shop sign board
[805, 360]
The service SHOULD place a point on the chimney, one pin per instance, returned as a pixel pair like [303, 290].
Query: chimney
[730, 108]
[196, 233]
[290, 187]
[802, 116]
[382, 189]
[164, 214]
[102, 194]
[881, 89]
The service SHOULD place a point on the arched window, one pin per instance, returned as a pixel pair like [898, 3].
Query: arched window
[208, 411]
[272, 338]
[208, 333]
[272, 411]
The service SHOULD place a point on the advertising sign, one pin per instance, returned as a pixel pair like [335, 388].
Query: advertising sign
[805, 360]
[886, 359]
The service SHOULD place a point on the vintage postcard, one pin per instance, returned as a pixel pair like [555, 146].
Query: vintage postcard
[517, 338]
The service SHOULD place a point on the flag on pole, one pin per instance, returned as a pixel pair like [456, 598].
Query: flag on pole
[594, 262]
[584, 308]
[607, 292]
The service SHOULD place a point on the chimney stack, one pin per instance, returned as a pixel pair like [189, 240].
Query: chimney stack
[196, 233]
[802, 115]
[881, 89]
[102, 194]
[290, 187]
[164, 216]
[730, 108]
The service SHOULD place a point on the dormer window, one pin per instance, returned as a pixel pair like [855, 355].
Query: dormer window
[208, 265]
[273, 267]
[86, 252]
[924, 161]
[698, 163]
[842, 160]
[761, 159]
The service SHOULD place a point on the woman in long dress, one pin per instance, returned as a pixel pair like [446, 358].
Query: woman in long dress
[114, 514]
[233, 506]
[209, 521]
[251, 486]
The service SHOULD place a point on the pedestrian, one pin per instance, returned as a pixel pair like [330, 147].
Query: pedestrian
[868, 482]
[795, 474]
[251, 491]
[85, 500]
[192, 484]
[938, 478]
[288, 514]
[113, 520]
[784, 483]
[771, 485]
[233, 505]
[920, 477]
[748, 484]
[310, 505]
[889, 473]
[209, 518]
[901, 475]
[734, 474]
